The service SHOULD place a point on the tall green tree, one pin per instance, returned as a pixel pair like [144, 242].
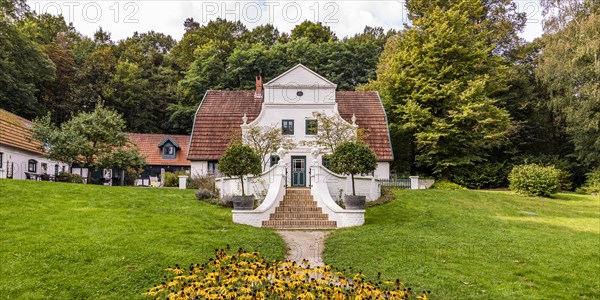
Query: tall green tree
[314, 32]
[568, 65]
[23, 64]
[437, 78]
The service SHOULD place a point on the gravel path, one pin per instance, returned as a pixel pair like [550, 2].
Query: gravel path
[304, 245]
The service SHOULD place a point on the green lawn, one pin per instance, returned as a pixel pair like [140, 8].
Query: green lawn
[478, 245]
[67, 241]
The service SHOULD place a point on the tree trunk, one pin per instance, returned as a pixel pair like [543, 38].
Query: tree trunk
[353, 191]
[243, 191]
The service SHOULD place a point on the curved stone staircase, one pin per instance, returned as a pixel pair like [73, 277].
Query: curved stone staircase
[298, 210]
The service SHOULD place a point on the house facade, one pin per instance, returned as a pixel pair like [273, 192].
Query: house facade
[20, 157]
[163, 153]
[288, 101]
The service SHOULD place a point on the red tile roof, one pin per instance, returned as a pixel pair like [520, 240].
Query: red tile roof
[15, 131]
[370, 115]
[221, 112]
[148, 145]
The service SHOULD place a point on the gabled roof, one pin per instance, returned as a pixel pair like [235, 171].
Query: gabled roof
[168, 139]
[221, 112]
[370, 115]
[300, 69]
[147, 143]
[15, 132]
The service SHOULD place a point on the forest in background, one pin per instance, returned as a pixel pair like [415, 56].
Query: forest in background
[464, 94]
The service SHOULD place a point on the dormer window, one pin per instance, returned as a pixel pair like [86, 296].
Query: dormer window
[169, 148]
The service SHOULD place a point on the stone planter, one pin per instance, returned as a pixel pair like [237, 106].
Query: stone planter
[355, 202]
[243, 202]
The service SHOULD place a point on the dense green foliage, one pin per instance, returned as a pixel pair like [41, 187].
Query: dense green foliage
[534, 180]
[477, 245]
[438, 78]
[568, 65]
[170, 179]
[447, 185]
[94, 139]
[592, 183]
[482, 176]
[240, 160]
[153, 80]
[353, 158]
[75, 241]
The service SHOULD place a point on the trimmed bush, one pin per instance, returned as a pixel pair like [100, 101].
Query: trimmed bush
[482, 176]
[534, 180]
[170, 180]
[75, 178]
[447, 185]
[563, 166]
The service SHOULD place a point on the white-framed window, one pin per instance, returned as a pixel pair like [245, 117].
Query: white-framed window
[1, 160]
[32, 166]
[44, 168]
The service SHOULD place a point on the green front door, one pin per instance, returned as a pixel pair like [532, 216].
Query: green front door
[298, 170]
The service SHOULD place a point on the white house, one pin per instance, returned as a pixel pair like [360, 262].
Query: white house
[289, 101]
[20, 157]
[296, 191]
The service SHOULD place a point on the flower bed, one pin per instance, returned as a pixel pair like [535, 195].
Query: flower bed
[247, 275]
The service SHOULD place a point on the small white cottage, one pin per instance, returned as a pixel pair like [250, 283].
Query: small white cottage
[295, 191]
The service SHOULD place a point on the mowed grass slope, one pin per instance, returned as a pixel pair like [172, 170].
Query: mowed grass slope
[478, 245]
[67, 241]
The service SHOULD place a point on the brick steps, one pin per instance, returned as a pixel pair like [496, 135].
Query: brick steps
[298, 216]
[300, 224]
[298, 210]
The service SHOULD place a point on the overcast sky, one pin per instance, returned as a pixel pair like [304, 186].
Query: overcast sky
[122, 18]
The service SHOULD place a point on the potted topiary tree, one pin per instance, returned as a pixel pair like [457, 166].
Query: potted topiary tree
[353, 158]
[240, 160]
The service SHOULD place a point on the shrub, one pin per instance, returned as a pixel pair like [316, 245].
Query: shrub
[202, 182]
[75, 178]
[534, 180]
[170, 180]
[245, 275]
[447, 185]
[482, 176]
[203, 194]
[563, 166]
[592, 183]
